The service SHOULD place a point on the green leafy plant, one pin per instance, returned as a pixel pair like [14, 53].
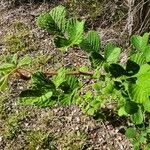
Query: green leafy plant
[128, 84]
[69, 32]
[11, 67]
[49, 92]
[139, 137]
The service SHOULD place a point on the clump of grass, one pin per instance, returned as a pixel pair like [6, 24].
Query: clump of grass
[72, 140]
[2, 108]
[19, 38]
[93, 8]
[12, 124]
[41, 60]
[11, 127]
[39, 140]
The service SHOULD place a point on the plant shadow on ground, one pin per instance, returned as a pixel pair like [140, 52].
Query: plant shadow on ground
[108, 115]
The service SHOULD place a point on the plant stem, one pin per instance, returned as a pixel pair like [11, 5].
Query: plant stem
[26, 74]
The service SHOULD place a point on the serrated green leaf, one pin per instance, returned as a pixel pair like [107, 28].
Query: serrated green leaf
[146, 105]
[42, 82]
[42, 92]
[90, 111]
[74, 33]
[140, 42]
[91, 43]
[60, 78]
[96, 59]
[109, 88]
[143, 69]
[140, 91]
[53, 21]
[69, 84]
[4, 83]
[131, 107]
[66, 99]
[62, 43]
[138, 58]
[72, 82]
[116, 70]
[112, 53]
[83, 68]
[97, 73]
[96, 103]
[6, 67]
[26, 60]
[132, 68]
[130, 133]
[35, 97]
[121, 111]
[88, 95]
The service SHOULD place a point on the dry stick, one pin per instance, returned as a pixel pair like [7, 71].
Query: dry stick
[144, 21]
[26, 74]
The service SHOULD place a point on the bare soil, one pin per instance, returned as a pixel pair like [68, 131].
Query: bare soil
[62, 128]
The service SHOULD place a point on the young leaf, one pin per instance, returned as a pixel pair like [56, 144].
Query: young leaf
[138, 58]
[143, 70]
[130, 133]
[72, 82]
[146, 105]
[91, 43]
[121, 111]
[6, 67]
[26, 60]
[140, 42]
[42, 82]
[112, 53]
[42, 92]
[74, 33]
[60, 78]
[90, 111]
[131, 107]
[4, 83]
[66, 99]
[69, 84]
[53, 21]
[140, 91]
[109, 88]
[35, 97]
[132, 68]
[116, 70]
[137, 118]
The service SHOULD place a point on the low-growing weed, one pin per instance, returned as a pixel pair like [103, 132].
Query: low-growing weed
[73, 140]
[19, 39]
[12, 124]
[35, 139]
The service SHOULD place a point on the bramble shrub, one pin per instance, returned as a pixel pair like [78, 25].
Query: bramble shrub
[127, 84]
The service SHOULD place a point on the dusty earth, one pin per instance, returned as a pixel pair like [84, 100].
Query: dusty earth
[62, 128]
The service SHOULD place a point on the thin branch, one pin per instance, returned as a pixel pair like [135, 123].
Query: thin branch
[26, 74]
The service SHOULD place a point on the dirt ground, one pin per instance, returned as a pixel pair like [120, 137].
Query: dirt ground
[62, 128]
